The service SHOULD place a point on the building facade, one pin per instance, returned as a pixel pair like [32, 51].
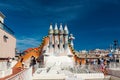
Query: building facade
[7, 40]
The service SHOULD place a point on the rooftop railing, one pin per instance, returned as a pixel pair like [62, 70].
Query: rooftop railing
[7, 29]
[114, 65]
[23, 75]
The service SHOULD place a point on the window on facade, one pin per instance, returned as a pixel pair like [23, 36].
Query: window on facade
[5, 38]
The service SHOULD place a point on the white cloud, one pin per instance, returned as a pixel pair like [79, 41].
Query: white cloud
[26, 42]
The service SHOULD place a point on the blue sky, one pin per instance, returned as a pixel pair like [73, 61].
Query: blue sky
[94, 23]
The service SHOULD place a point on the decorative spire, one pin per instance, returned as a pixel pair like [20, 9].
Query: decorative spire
[61, 28]
[56, 28]
[51, 28]
[66, 30]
